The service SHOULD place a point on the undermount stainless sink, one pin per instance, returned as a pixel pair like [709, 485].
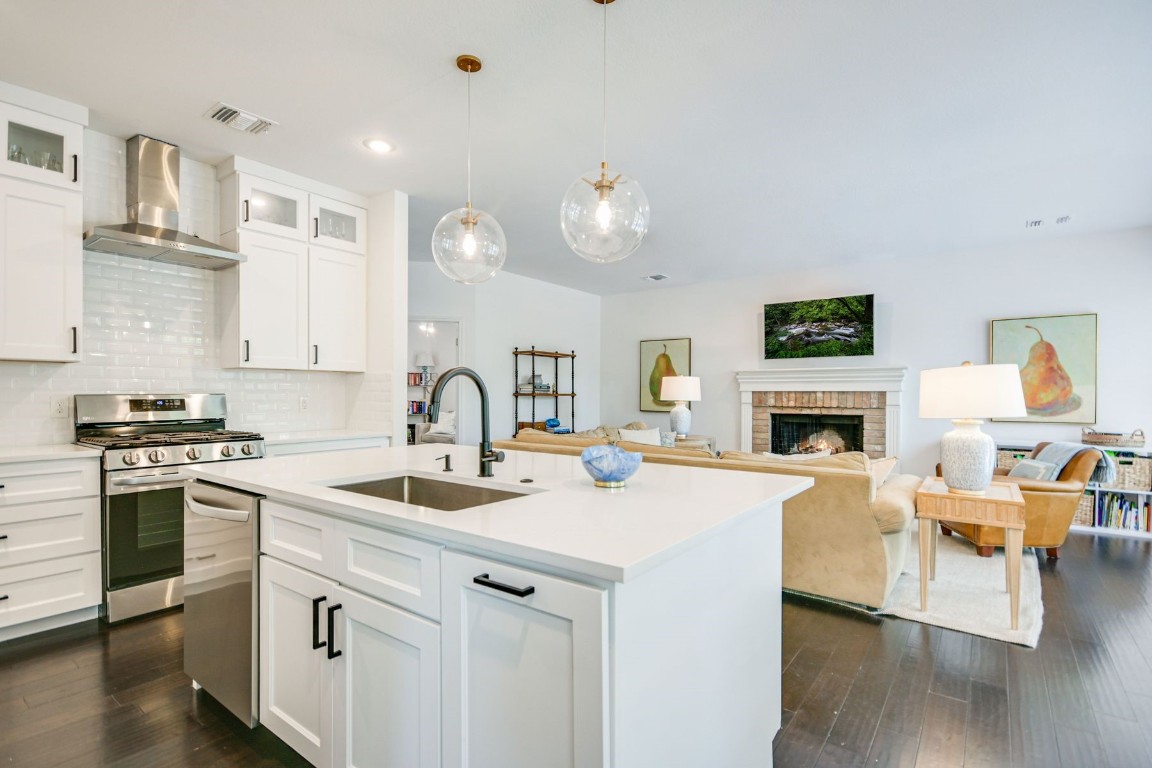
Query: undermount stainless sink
[424, 492]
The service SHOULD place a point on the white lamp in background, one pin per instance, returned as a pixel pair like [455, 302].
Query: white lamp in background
[966, 394]
[681, 389]
[424, 361]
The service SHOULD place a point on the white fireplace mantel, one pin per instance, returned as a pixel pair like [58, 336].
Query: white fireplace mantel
[887, 380]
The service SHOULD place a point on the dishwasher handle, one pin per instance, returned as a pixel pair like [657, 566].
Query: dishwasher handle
[217, 513]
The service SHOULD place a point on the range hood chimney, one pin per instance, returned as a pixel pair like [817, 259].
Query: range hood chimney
[154, 214]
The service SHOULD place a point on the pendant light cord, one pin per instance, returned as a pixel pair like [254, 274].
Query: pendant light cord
[604, 93]
[469, 141]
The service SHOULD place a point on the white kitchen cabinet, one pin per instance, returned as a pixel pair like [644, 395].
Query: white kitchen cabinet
[386, 686]
[49, 542]
[338, 225]
[337, 310]
[41, 272]
[345, 678]
[42, 148]
[295, 671]
[264, 304]
[259, 205]
[525, 677]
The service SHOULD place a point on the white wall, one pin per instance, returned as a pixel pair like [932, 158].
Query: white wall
[151, 327]
[506, 312]
[930, 312]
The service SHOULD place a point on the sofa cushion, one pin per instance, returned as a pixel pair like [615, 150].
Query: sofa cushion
[645, 436]
[895, 504]
[611, 433]
[881, 468]
[659, 450]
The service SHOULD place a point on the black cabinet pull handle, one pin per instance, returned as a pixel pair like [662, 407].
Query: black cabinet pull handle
[331, 630]
[316, 224]
[316, 641]
[484, 581]
[75, 168]
[245, 210]
[75, 340]
[3, 597]
[315, 354]
[3, 535]
[246, 355]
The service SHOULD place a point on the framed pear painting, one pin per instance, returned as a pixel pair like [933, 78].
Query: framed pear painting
[1057, 359]
[660, 358]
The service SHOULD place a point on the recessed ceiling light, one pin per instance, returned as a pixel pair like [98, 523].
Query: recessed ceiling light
[379, 146]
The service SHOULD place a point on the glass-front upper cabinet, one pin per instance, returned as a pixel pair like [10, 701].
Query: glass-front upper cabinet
[41, 148]
[277, 209]
[338, 225]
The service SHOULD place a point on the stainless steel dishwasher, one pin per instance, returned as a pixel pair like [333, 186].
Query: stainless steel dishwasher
[221, 616]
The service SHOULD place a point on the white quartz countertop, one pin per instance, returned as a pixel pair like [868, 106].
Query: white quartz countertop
[565, 521]
[11, 454]
[321, 435]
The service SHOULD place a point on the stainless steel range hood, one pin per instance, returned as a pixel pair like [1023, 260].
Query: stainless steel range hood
[154, 214]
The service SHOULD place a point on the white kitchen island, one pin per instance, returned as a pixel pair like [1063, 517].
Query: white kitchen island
[571, 626]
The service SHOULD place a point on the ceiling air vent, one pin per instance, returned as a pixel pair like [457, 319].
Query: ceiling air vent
[239, 119]
[655, 278]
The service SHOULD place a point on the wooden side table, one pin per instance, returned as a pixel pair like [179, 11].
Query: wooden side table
[1002, 506]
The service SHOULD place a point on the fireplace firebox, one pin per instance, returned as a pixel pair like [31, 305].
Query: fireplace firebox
[812, 432]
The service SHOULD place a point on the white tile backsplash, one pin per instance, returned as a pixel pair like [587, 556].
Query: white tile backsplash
[151, 327]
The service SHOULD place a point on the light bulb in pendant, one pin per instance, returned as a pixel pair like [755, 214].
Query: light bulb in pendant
[604, 215]
[469, 243]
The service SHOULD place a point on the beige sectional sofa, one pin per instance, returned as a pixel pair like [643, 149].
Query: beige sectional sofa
[846, 538]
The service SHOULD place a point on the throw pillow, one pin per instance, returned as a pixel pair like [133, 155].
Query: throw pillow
[1032, 469]
[645, 436]
[881, 468]
[446, 425]
[667, 439]
[613, 433]
[799, 456]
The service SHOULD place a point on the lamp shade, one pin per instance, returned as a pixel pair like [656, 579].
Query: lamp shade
[972, 392]
[425, 359]
[680, 388]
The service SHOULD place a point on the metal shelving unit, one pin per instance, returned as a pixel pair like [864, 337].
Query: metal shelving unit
[555, 395]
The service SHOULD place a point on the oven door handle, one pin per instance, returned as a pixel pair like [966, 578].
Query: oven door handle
[216, 513]
[172, 478]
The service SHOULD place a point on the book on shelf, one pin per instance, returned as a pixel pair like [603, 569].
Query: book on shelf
[1123, 512]
[417, 407]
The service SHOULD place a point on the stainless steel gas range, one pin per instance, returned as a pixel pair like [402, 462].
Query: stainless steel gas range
[147, 439]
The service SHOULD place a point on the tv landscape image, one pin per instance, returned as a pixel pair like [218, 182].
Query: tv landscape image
[839, 327]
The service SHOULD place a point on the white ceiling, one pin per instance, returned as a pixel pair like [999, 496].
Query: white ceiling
[767, 133]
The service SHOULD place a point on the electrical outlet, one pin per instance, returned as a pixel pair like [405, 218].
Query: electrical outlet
[303, 402]
[59, 406]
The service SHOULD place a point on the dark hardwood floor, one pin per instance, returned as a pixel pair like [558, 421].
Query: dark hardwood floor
[857, 690]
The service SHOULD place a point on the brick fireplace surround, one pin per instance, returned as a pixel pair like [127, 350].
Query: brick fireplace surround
[873, 393]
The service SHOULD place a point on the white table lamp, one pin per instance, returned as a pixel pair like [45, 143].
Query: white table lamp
[967, 394]
[424, 361]
[681, 389]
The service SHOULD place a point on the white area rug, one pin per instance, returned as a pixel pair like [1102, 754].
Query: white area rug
[969, 592]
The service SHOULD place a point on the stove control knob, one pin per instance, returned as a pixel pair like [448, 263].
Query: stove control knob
[227, 451]
[247, 449]
[132, 459]
[157, 456]
[193, 454]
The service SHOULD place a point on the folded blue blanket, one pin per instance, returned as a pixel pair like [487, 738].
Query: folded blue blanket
[1062, 453]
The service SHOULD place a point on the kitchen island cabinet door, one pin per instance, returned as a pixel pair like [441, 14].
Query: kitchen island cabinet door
[295, 676]
[41, 272]
[264, 305]
[386, 686]
[525, 678]
[337, 310]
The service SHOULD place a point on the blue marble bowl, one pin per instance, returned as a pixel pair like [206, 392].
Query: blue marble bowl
[610, 466]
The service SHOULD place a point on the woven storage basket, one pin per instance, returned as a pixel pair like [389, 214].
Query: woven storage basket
[1009, 459]
[1112, 439]
[1133, 473]
[1085, 510]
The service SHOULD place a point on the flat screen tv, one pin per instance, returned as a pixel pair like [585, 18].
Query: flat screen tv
[838, 327]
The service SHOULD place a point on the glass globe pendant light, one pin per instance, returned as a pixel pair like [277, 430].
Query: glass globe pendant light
[468, 244]
[604, 219]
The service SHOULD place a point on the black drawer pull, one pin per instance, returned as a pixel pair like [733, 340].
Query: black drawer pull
[3, 535]
[3, 597]
[245, 210]
[316, 224]
[315, 354]
[75, 168]
[316, 641]
[75, 340]
[247, 357]
[331, 631]
[484, 581]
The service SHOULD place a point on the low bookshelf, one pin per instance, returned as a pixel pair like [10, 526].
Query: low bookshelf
[1122, 508]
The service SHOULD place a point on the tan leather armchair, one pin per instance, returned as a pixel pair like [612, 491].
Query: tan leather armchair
[1049, 506]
